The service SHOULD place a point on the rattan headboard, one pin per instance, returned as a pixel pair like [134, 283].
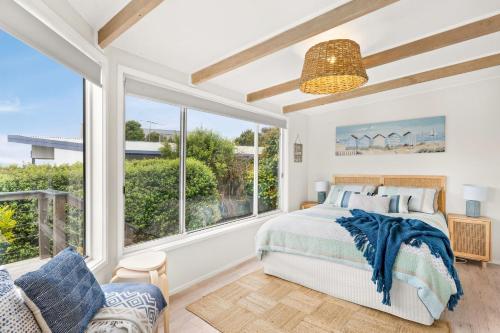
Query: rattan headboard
[438, 182]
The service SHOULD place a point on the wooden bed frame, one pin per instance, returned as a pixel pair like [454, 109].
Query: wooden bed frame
[438, 182]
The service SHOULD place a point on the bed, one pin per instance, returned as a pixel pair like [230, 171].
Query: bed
[307, 247]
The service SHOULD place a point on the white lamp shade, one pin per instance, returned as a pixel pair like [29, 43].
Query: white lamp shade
[321, 186]
[474, 192]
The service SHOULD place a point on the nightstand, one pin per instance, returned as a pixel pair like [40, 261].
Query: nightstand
[470, 237]
[308, 204]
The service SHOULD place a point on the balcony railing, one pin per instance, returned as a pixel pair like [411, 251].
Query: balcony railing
[46, 233]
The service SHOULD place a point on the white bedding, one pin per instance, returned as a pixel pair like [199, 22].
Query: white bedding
[314, 233]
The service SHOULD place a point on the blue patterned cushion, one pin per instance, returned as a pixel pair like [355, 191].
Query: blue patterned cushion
[14, 314]
[143, 296]
[63, 294]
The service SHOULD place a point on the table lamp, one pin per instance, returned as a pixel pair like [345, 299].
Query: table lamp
[321, 187]
[473, 195]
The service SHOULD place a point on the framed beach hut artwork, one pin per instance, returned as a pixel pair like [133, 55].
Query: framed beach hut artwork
[422, 135]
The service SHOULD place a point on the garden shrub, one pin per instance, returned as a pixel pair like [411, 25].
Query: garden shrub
[66, 178]
[152, 198]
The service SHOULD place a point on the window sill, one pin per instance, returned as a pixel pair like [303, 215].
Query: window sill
[179, 241]
[16, 269]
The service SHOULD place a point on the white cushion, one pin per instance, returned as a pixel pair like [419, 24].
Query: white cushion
[377, 204]
[335, 190]
[422, 199]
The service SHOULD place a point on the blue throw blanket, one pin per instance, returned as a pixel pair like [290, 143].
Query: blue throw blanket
[380, 237]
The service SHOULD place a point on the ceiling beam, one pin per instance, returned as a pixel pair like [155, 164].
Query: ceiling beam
[124, 19]
[439, 73]
[442, 39]
[313, 27]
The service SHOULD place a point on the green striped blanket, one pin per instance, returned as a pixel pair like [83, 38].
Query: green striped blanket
[314, 233]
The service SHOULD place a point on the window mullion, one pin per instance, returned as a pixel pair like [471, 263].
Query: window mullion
[256, 171]
[182, 171]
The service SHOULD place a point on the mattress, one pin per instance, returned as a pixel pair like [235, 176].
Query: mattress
[348, 283]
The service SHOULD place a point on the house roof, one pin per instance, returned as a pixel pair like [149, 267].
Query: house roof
[76, 144]
[131, 147]
[378, 136]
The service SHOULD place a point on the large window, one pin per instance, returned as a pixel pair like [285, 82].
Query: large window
[222, 149]
[195, 169]
[269, 168]
[152, 169]
[42, 146]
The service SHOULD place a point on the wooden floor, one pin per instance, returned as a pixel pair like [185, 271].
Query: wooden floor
[478, 311]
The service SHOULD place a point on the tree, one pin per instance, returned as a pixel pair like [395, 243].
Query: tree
[169, 148]
[153, 137]
[206, 146]
[246, 138]
[212, 149]
[268, 169]
[133, 131]
[7, 224]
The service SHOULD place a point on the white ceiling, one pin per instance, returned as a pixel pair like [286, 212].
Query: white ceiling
[187, 35]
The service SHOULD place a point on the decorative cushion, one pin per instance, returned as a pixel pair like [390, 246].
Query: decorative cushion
[63, 294]
[135, 307]
[422, 199]
[377, 204]
[399, 203]
[343, 198]
[15, 316]
[335, 191]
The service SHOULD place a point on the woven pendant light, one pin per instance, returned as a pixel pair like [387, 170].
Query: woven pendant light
[333, 66]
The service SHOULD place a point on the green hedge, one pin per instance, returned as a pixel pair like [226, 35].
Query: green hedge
[152, 198]
[67, 178]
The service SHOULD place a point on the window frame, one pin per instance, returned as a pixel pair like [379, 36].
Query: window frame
[183, 235]
[94, 233]
[95, 117]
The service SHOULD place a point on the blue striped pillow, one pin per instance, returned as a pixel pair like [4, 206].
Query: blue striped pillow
[63, 294]
[399, 203]
[343, 198]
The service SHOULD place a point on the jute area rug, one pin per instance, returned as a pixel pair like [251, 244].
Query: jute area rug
[260, 303]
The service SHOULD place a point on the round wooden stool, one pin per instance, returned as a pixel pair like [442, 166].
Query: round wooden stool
[150, 267]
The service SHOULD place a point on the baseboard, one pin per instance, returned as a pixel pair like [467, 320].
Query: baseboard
[495, 262]
[211, 274]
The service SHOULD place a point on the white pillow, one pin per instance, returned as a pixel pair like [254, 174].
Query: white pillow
[399, 203]
[422, 199]
[335, 190]
[377, 204]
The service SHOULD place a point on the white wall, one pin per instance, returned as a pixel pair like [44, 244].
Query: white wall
[196, 262]
[297, 172]
[472, 143]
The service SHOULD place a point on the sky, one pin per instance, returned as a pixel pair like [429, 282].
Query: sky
[168, 117]
[40, 97]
